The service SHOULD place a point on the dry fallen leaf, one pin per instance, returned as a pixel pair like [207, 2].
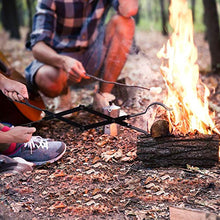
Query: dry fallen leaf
[57, 205]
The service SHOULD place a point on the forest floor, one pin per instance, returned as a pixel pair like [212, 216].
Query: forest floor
[100, 176]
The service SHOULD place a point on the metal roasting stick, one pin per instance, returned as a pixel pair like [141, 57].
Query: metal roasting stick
[108, 119]
[116, 83]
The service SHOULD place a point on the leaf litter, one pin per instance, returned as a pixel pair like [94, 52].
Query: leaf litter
[100, 177]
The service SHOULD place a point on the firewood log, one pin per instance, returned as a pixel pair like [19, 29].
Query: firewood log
[160, 126]
[195, 150]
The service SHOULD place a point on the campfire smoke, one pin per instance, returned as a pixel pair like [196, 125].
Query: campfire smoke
[187, 95]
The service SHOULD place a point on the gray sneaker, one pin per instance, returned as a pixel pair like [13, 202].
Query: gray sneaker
[40, 150]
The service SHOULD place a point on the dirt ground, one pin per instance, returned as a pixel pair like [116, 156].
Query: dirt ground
[100, 176]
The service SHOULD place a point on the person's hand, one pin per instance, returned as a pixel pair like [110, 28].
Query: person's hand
[74, 69]
[21, 134]
[14, 90]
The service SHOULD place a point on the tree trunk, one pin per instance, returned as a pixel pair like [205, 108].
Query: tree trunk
[10, 18]
[198, 150]
[213, 34]
[137, 16]
[149, 9]
[163, 18]
[30, 17]
[20, 10]
[193, 3]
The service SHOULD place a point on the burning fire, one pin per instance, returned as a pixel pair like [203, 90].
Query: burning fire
[187, 95]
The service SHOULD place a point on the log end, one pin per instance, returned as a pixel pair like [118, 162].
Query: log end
[160, 128]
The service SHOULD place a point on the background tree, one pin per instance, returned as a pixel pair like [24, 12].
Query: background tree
[213, 34]
[10, 19]
[163, 17]
[30, 8]
[193, 3]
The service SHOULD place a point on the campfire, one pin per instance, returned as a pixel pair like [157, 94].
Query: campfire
[187, 95]
[188, 132]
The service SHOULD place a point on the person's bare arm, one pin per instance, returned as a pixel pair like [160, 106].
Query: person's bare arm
[128, 8]
[45, 54]
[71, 66]
[17, 134]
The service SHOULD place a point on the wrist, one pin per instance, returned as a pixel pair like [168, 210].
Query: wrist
[2, 81]
[5, 137]
[60, 61]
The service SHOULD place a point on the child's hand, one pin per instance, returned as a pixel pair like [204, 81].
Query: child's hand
[21, 134]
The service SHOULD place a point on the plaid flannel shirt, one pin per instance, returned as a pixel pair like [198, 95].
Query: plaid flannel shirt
[65, 24]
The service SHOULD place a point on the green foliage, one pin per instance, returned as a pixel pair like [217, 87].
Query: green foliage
[199, 25]
[23, 10]
[149, 11]
[150, 15]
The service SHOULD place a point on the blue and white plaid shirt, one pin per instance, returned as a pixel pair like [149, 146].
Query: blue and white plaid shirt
[65, 24]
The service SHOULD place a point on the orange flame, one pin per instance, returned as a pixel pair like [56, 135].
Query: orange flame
[187, 95]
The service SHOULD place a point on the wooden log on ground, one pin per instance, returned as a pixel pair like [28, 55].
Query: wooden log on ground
[195, 150]
[160, 126]
[187, 214]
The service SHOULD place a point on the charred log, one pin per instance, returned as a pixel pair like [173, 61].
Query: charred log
[199, 150]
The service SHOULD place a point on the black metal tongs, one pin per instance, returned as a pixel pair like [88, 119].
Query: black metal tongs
[108, 119]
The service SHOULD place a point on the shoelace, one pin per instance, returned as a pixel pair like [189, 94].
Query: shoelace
[37, 142]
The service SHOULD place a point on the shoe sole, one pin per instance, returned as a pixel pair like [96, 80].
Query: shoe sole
[52, 160]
